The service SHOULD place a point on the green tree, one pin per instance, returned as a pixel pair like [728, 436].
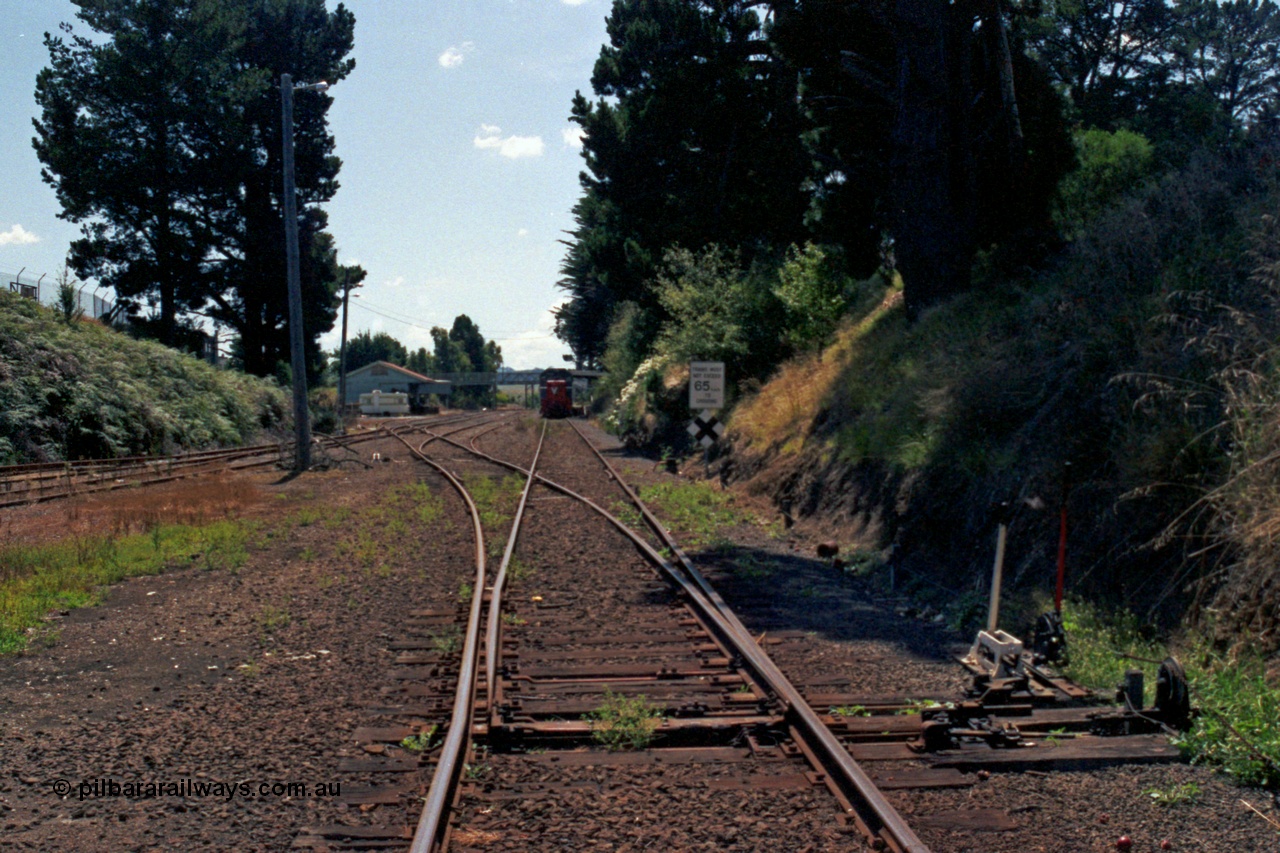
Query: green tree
[812, 288]
[1102, 52]
[1229, 50]
[366, 348]
[421, 361]
[484, 357]
[68, 298]
[161, 136]
[660, 171]
[449, 354]
[121, 114]
[1110, 164]
[304, 39]
[720, 310]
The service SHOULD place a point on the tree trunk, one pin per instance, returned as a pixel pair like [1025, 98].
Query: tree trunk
[932, 169]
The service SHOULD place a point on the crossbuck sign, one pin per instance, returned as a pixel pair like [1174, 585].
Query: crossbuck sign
[706, 428]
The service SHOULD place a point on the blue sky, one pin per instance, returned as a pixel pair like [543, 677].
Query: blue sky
[460, 170]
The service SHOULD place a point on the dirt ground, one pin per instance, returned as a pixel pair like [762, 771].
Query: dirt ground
[252, 678]
[259, 678]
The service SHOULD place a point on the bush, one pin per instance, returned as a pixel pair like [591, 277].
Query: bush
[813, 289]
[720, 312]
[1111, 164]
[80, 390]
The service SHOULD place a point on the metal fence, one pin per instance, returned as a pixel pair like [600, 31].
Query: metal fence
[44, 289]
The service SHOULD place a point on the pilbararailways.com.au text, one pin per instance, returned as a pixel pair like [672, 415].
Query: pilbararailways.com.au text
[141, 789]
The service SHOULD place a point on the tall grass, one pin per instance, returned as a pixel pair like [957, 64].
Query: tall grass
[1235, 729]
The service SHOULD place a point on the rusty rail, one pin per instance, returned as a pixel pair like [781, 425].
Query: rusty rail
[444, 780]
[874, 815]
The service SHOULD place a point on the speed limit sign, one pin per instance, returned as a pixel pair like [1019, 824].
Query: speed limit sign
[706, 385]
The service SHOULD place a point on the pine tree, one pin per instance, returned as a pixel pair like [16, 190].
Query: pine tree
[161, 136]
[693, 139]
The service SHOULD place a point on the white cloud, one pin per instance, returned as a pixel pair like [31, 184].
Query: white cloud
[454, 56]
[536, 347]
[393, 283]
[573, 2]
[513, 147]
[572, 137]
[523, 232]
[17, 236]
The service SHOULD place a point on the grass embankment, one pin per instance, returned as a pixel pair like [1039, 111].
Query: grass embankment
[77, 389]
[1144, 357]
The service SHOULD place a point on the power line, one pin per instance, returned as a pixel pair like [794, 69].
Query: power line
[382, 313]
[373, 310]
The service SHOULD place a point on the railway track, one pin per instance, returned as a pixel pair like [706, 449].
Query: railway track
[722, 713]
[489, 728]
[32, 483]
[584, 631]
[535, 674]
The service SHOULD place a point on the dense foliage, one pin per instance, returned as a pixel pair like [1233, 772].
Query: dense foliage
[1145, 357]
[900, 137]
[808, 127]
[1123, 318]
[72, 390]
[161, 134]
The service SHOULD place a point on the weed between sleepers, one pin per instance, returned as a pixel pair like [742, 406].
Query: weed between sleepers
[622, 723]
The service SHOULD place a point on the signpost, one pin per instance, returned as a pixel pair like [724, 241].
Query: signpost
[706, 396]
[706, 385]
[706, 428]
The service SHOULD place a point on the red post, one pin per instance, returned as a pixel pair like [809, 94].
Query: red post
[1062, 540]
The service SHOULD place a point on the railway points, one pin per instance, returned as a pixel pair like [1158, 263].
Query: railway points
[489, 708]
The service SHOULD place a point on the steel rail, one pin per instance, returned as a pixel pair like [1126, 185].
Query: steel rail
[876, 817]
[59, 467]
[493, 645]
[443, 781]
[835, 757]
[91, 476]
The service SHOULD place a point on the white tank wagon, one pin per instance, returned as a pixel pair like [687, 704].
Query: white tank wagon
[384, 403]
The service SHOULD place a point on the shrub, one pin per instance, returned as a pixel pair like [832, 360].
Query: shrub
[621, 723]
[812, 288]
[81, 390]
[1111, 163]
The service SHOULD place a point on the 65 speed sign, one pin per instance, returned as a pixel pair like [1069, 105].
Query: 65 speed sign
[706, 385]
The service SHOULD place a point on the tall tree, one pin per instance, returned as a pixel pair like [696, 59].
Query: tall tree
[1231, 51]
[929, 124]
[660, 171]
[162, 137]
[366, 348]
[115, 137]
[1102, 52]
[301, 38]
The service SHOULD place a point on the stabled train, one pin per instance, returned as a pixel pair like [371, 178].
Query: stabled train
[556, 387]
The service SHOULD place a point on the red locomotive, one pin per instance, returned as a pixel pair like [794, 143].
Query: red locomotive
[556, 402]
